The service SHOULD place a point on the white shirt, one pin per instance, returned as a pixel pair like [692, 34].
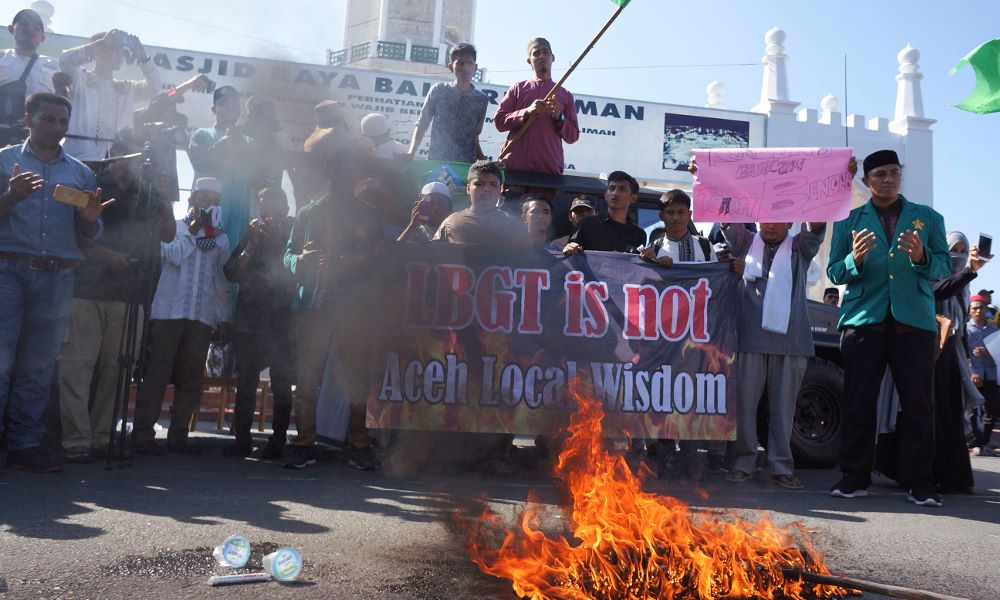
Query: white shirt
[101, 106]
[192, 285]
[12, 65]
[672, 249]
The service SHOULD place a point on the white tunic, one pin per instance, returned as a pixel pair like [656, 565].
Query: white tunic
[192, 285]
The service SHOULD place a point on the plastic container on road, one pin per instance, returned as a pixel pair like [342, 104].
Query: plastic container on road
[284, 564]
[234, 552]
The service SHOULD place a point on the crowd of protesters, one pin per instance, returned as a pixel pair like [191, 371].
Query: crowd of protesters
[67, 273]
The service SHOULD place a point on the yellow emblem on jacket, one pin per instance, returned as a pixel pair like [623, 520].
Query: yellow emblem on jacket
[918, 225]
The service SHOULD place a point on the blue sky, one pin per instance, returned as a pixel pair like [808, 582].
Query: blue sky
[665, 34]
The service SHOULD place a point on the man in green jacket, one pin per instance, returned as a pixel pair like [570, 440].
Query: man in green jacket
[887, 252]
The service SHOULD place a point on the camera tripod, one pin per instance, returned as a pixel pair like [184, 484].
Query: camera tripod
[141, 284]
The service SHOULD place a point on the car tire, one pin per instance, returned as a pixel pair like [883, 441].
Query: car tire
[818, 415]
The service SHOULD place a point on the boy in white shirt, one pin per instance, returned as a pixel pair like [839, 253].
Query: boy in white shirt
[192, 299]
[679, 245]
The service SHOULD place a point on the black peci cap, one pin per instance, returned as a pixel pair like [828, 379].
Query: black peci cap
[880, 159]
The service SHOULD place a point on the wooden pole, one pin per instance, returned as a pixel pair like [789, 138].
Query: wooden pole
[520, 132]
[890, 591]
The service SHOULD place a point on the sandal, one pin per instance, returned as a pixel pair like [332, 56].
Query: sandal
[788, 482]
[737, 476]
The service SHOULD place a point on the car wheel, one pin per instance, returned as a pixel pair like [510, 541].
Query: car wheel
[818, 417]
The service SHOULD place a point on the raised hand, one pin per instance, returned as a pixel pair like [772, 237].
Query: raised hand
[909, 242]
[95, 207]
[24, 184]
[864, 242]
[975, 261]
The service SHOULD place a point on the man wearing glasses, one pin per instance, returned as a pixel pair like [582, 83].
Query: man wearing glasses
[887, 252]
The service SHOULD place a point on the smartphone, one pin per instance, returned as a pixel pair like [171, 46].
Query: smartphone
[425, 209]
[985, 245]
[73, 197]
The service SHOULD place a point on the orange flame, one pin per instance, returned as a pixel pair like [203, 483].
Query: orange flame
[631, 544]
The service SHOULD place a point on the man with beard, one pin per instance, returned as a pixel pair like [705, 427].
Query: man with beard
[887, 252]
[540, 147]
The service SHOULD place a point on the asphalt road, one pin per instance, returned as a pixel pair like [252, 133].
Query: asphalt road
[147, 531]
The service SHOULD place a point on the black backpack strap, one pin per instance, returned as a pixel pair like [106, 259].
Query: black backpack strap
[27, 69]
[706, 247]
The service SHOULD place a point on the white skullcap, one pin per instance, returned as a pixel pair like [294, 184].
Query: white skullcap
[435, 187]
[207, 184]
[374, 125]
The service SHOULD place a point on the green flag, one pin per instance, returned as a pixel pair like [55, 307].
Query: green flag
[621, 3]
[985, 61]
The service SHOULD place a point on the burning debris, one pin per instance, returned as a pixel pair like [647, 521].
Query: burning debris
[630, 544]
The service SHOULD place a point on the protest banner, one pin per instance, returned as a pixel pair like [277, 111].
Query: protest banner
[484, 339]
[772, 185]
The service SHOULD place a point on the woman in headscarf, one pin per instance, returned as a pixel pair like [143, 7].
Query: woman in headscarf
[952, 470]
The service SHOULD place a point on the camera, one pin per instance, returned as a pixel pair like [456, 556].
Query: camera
[162, 133]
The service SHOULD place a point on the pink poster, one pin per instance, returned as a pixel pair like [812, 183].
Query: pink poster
[771, 185]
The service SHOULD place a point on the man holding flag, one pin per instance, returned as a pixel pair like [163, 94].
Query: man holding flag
[540, 146]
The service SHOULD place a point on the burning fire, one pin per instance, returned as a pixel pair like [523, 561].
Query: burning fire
[630, 544]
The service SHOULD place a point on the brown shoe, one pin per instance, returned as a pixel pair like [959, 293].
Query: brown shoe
[79, 456]
[789, 482]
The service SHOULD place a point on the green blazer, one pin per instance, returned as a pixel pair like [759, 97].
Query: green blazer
[887, 277]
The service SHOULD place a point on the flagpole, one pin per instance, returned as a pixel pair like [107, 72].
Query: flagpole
[520, 132]
[847, 141]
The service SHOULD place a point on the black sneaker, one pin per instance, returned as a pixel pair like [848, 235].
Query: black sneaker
[849, 487]
[363, 459]
[299, 457]
[273, 451]
[238, 449]
[924, 495]
[184, 447]
[148, 448]
[34, 460]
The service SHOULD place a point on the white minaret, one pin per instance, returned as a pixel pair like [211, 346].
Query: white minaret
[416, 35]
[915, 129]
[774, 97]
[909, 100]
[715, 91]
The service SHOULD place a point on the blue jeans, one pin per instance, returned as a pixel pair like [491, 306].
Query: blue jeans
[34, 315]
